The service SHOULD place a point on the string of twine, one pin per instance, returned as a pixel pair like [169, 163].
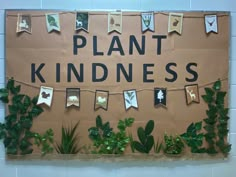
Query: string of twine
[117, 93]
[130, 14]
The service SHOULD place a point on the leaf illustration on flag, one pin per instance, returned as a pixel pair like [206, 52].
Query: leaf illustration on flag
[45, 96]
[147, 21]
[53, 22]
[24, 23]
[160, 96]
[130, 98]
[211, 23]
[115, 22]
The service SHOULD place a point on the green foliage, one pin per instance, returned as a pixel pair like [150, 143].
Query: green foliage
[69, 140]
[106, 141]
[157, 147]
[44, 141]
[194, 139]
[146, 139]
[217, 120]
[15, 131]
[173, 144]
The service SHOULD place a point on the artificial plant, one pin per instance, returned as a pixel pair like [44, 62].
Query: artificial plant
[16, 130]
[146, 140]
[44, 141]
[216, 123]
[173, 144]
[106, 141]
[69, 140]
[193, 138]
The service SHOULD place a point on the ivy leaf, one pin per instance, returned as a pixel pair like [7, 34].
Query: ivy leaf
[217, 85]
[207, 98]
[35, 111]
[10, 84]
[209, 92]
[35, 100]
[4, 99]
[99, 122]
[15, 90]
[198, 125]
[220, 97]
[13, 109]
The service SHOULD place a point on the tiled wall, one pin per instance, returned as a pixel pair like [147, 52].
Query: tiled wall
[146, 169]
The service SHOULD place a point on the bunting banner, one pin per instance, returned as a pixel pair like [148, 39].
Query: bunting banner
[101, 99]
[115, 22]
[192, 94]
[130, 98]
[82, 21]
[53, 22]
[160, 97]
[175, 22]
[24, 23]
[72, 97]
[211, 23]
[147, 21]
[45, 96]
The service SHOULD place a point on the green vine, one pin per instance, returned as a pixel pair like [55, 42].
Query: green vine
[217, 120]
[15, 131]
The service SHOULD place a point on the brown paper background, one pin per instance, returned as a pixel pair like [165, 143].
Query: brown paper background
[209, 51]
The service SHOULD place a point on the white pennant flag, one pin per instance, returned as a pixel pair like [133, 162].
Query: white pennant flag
[24, 23]
[115, 22]
[45, 96]
[53, 22]
[147, 21]
[130, 98]
[211, 23]
[175, 23]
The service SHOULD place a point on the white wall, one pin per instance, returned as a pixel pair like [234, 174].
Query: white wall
[87, 169]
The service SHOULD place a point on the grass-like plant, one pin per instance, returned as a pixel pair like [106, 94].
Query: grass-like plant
[69, 140]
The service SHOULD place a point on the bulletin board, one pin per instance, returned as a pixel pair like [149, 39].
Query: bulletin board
[103, 64]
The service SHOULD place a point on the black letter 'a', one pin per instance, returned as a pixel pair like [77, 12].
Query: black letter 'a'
[37, 72]
[119, 48]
